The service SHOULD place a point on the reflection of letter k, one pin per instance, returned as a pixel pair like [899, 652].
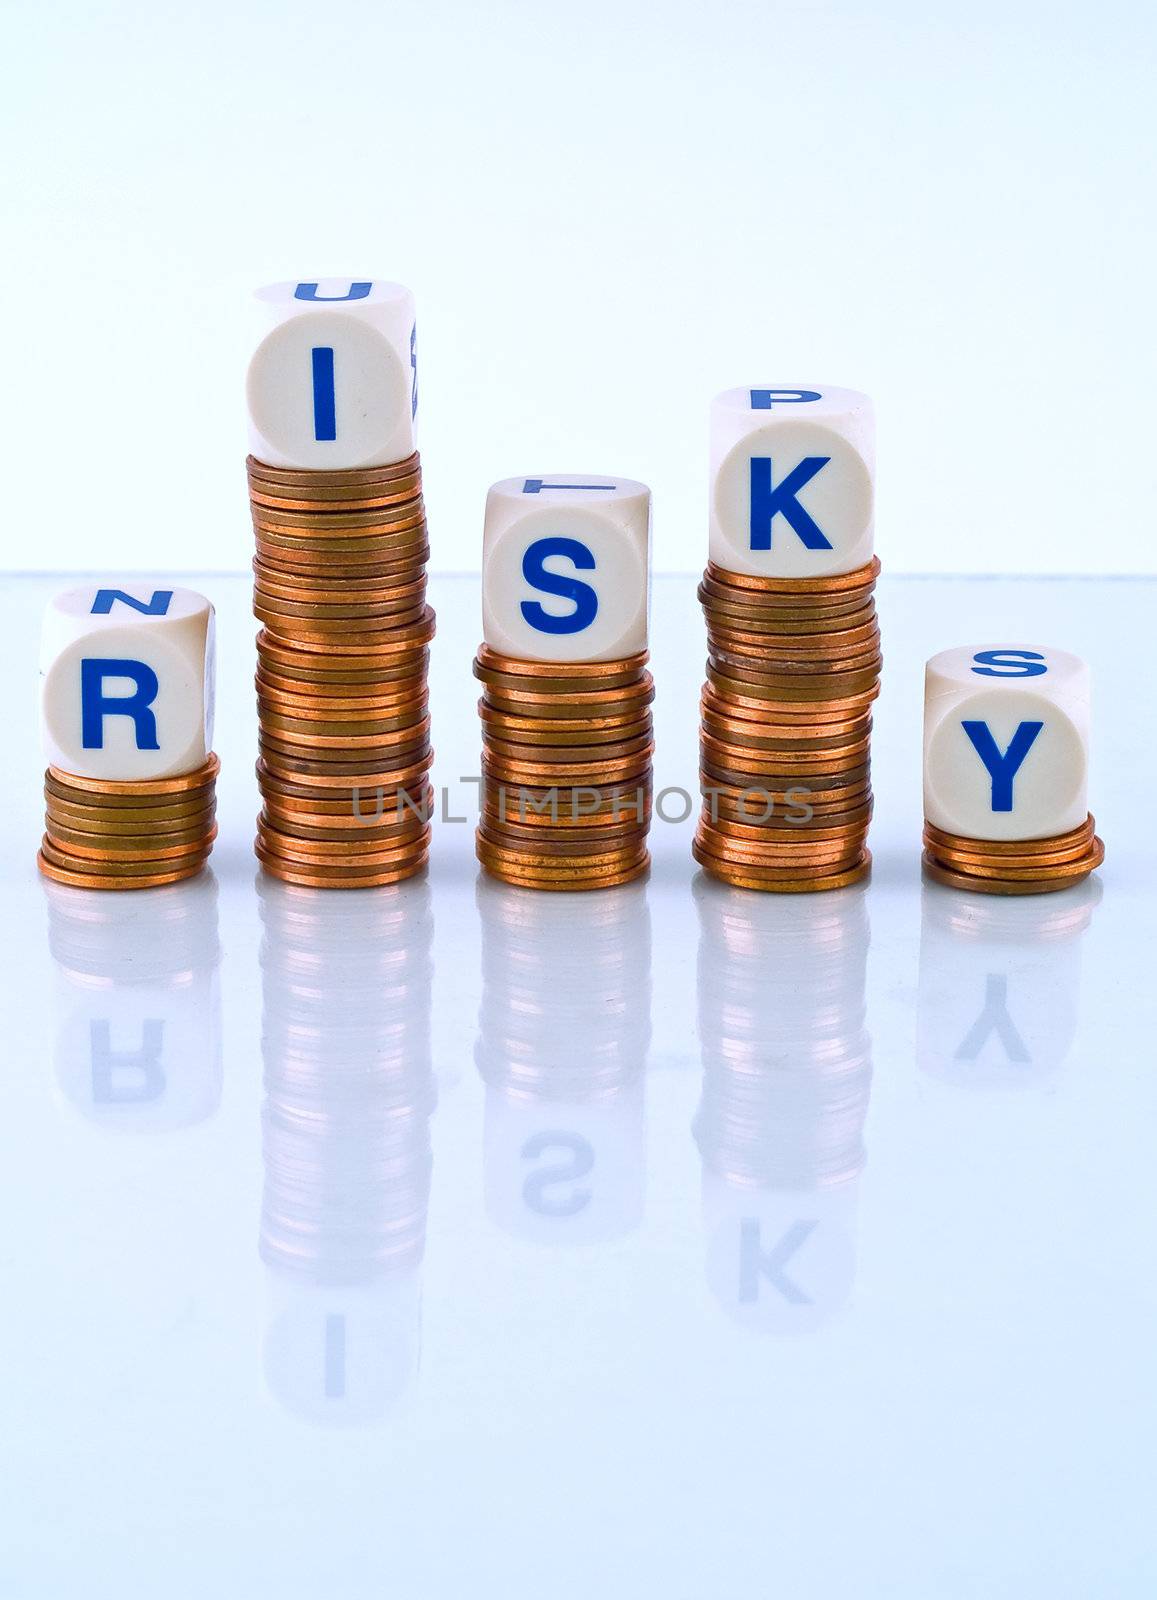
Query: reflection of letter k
[754, 1264]
[994, 1019]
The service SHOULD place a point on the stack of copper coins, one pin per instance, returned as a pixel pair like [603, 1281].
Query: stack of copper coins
[342, 673]
[1013, 866]
[103, 834]
[566, 770]
[793, 668]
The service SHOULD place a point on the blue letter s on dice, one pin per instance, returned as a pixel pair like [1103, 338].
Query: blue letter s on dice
[566, 568]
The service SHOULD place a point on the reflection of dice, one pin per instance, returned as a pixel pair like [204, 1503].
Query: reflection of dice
[780, 1261]
[334, 384]
[563, 1173]
[1000, 983]
[792, 474]
[127, 681]
[138, 1044]
[1006, 740]
[343, 1356]
[565, 568]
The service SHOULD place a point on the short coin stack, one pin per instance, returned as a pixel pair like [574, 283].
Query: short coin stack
[1006, 758]
[1030, 866]
[105, 835]
[341, 682]
[566, 696]
[566, 770]
[793, 642]
[335, 490]
[126, 713]
[792, 670]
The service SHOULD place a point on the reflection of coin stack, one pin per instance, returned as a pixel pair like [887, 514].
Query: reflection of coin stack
[566, 720]
[130, 792]
[564, 1030]
[1000, 984]
[139, 1038]
[349, 1094]
[793, 643]
[335, 488]
[786, 1079]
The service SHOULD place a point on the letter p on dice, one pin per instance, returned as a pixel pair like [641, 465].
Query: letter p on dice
[566, 568]
[1006, 742]
[127, 681]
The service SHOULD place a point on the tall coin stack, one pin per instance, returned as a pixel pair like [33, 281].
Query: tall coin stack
[335, 489]
[565, 707]
[793, 642]
[126, 716]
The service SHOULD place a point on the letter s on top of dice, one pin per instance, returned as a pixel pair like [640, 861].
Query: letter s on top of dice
[792, 481]
[334, 383]
[566, 568]
[127, 681]
[1006, 742]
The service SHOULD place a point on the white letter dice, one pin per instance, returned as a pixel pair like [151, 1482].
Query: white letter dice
[334, 385]
[127, 681]
[1006, 742]
[792, 481]
[566, 568]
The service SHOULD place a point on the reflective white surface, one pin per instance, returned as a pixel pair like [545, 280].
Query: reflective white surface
[454, 1241]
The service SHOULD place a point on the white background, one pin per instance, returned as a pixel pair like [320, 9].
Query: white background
[608, 213]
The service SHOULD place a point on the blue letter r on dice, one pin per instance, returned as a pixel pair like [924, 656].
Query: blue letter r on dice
[95, 705]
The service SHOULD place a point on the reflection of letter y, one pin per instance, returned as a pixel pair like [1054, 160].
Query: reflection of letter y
[994, 1019]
